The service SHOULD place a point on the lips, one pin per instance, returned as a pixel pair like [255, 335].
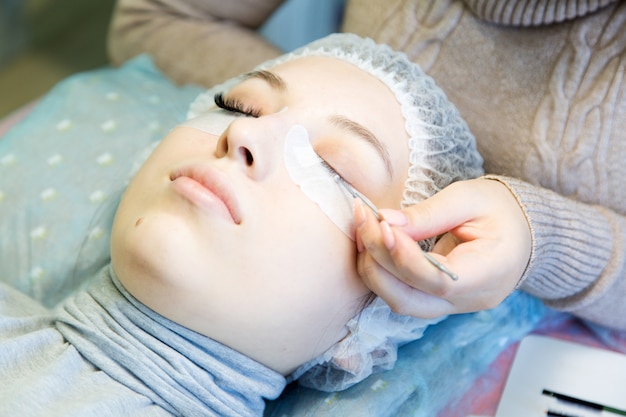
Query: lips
[207, 187]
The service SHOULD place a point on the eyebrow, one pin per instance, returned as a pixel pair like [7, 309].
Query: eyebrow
[342, 122]
[364, 133]
[272, 79]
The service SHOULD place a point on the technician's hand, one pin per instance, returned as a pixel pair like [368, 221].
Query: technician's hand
[485, 240]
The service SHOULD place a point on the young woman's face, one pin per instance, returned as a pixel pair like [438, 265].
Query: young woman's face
[248, 259]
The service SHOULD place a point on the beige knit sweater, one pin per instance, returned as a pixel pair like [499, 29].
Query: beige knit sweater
[541, 83]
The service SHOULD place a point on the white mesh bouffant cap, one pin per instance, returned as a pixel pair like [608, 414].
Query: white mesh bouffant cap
[442, 150]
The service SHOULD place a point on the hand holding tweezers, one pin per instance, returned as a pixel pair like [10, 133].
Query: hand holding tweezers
[356, 194]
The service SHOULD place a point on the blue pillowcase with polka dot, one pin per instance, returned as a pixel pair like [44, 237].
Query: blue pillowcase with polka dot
[63, 168]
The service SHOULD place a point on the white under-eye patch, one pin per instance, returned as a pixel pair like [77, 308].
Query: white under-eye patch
[309, 172]
[213, 122]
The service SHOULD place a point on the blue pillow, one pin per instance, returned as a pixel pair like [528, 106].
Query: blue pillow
[62, 170]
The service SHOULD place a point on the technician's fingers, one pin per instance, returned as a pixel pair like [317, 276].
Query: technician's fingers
[398, 253]
[379, 266]
[481, 260]
[419, 289]
[436, 215]
[401, 298]
[373, 238]
[408, 264]
[368, 234]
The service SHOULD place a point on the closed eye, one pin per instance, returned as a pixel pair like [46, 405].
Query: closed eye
[332, 171]
[349, 188]
[235, 106]
[341, 181]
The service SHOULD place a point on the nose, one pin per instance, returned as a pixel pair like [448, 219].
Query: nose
[251, 144]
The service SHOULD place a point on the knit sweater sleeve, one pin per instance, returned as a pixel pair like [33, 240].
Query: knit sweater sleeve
[578, 259]
[192, 41]
[533, 12]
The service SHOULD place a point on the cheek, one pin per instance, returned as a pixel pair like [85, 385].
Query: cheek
[315, 280]
[311, 254]
[181, 144]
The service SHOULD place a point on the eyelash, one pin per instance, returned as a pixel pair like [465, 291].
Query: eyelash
[235, 106]
[333, 171]
[342, 183]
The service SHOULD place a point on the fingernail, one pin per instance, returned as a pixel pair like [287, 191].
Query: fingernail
[387, 235]
[359, 212]
[359, 244]
[394, 217]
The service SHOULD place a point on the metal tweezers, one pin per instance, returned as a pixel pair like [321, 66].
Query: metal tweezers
[356, 194]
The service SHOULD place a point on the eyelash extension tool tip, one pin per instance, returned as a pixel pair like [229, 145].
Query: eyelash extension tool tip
[356, 194]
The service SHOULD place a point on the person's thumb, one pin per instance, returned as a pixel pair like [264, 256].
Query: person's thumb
[432, 217]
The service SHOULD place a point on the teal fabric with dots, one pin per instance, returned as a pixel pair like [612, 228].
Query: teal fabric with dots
[63, 168]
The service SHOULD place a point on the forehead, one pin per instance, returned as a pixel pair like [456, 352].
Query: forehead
[332, 74]
[335, 86]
